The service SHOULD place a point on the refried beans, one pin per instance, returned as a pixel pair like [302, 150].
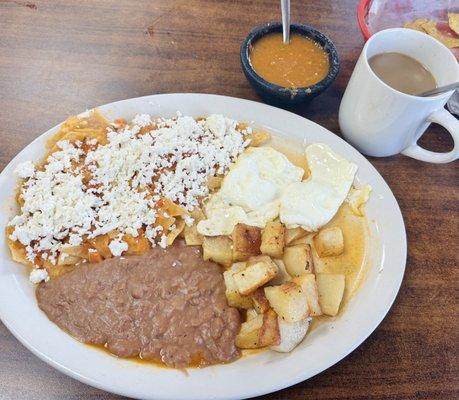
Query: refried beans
[165, 305]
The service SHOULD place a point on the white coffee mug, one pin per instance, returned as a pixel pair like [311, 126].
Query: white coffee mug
[381, 121]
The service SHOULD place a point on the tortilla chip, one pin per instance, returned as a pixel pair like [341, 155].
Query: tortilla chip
[416, 25]
[453, 22]
[430, 27]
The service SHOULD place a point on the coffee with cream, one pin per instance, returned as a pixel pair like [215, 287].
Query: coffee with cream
[402, 73]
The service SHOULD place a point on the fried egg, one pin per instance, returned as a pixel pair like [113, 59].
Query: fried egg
[357, 198]
[312, 203]
[250, 192]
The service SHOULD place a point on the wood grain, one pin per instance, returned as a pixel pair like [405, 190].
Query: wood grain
[60, 57]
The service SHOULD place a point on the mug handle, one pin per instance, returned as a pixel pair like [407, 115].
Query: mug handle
[445, 119]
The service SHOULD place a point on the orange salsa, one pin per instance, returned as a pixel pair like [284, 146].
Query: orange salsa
[300, 63]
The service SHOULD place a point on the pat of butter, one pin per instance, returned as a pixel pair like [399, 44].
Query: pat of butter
[312, 203]
[250, 192]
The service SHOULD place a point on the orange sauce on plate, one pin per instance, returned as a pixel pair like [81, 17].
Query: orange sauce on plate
[300, 63]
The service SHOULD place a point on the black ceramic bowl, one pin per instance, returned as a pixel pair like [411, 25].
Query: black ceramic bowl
[279, 95]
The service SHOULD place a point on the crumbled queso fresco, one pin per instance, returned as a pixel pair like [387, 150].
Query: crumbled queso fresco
[128, 176]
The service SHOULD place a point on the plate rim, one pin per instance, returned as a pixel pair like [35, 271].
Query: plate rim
[264, 387]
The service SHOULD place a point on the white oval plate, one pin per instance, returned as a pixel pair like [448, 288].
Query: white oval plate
[251, 376]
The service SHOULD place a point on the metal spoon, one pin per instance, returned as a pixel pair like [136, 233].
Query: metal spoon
[441, 89]
[285, 8]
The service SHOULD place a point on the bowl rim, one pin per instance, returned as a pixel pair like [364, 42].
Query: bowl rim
[302, 29]
[362, 13]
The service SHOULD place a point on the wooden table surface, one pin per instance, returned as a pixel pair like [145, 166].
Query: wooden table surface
[59, 57]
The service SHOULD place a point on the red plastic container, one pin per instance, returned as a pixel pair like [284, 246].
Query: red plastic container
[362, 13]
[395, 13]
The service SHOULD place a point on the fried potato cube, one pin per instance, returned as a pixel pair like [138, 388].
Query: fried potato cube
[329, 242]
[302, 240]
[282, 274]
[249, 334]
[291, 334]
[246, 242]
[331, 289]
[273, 239]
[269, 332]
[294, 234]
[250, 314]
[233, 297]
[218, 249]
[260, 330]
[260, 302]
[298, 260]
[264, 258]
[288, 301]
[309, 287]
[238, 266]
[256, 274]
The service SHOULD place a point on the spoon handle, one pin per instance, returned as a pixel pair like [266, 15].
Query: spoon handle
[441, 89]
[285, 8]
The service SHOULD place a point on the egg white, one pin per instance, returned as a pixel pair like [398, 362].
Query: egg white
[312, 203]
[250, 192]
[263, 184]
